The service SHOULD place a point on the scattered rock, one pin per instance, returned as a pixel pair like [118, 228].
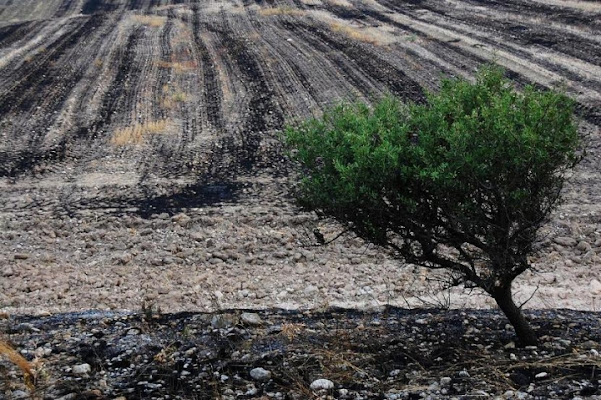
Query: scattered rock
[223, 321]
[322, 384]
[541, 375]
[565, 241]
[583, 246]
[595, 286]
[251, 319]
[260, 374]
[21, 256]
[82, 369]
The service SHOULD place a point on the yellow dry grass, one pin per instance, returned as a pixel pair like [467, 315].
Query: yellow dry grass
[170, 101]
[154, 21]
[19, 361]
[178, 66]
[136, 133]
[354, 33]
[284, 10]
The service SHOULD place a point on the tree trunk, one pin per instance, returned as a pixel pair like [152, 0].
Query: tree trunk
[514, 314]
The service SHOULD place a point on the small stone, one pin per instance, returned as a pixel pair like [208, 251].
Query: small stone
[541, 375]
[464, 374]
[19, 394]
[21, 256]
[594, 353]
[322, 384]
[82, 369]
[7, 271]
[445, 381]
[181, 219]
[4, 315]
[222, 321]
[565, 241]
[251, 319]
[310, 289]
[260, 374]
[595, 286]
[421, 321]
[583, 246]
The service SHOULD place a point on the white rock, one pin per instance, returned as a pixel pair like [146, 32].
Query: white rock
[595, 286]
[82, 369]
[310, 289]
[322, 384]
[541, 375]
[464, 374]
[260, 374]
[251, 319]
[445, 381]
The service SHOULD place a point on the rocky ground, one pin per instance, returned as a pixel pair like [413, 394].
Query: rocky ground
[139, 160]
[319, 354]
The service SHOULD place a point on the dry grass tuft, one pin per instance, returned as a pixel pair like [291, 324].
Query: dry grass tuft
[153, 21]
[178, 66]
[170, 101]
[354, 33]
[20, 362]
[292, 330]
[284, 10]
[135, 134]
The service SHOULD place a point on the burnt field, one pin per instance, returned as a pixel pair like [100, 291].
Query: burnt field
[139, 152]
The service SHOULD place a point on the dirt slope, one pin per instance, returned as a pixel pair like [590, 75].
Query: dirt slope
[139, 158]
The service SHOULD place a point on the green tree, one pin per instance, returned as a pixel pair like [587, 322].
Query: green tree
[461, 183]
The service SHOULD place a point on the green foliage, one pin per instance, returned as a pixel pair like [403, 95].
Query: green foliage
[462, 182]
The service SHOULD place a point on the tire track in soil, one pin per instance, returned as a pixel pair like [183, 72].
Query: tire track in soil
[589, 112]
[262, 113]
[212, 94]
[370, 65]
[114, 97]
[47, 83]
[13, 33]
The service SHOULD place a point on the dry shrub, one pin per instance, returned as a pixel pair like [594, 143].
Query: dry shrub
[284, 10]
[19, 361]
[135, 134]
[153, 21]
[353, 33]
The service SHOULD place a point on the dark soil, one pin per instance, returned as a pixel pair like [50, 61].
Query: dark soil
[391, 354]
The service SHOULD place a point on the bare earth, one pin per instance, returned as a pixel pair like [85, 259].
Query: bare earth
[139, 160]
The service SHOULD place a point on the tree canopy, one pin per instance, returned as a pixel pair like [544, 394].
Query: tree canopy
[462, 182]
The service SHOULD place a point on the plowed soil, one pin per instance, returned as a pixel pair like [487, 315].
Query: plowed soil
[140, 160]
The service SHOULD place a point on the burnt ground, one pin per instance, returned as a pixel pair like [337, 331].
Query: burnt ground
[391, 354]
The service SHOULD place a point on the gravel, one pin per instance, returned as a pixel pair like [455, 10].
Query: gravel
[329, 354]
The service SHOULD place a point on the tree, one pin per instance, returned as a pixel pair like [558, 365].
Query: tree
[461, 183]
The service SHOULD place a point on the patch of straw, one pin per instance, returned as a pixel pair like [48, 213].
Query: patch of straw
[285, 10]
[353, 33]
[19, 361]
[178, 66]
[136, 133]
[153, 21]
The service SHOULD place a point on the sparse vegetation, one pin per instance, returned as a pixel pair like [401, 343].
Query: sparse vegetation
[154, 21]
[283, 10]
[462, 183]
[353, 33]
[136, 133]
